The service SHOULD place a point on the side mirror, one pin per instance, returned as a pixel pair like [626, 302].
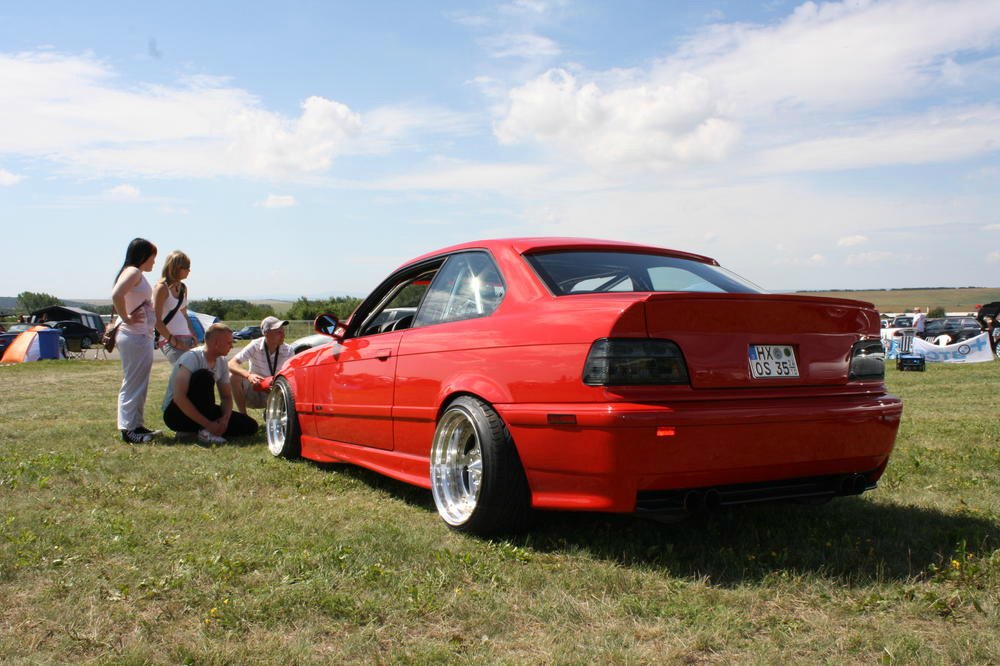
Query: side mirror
[327, 324]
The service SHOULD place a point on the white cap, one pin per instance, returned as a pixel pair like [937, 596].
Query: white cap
[272, 324]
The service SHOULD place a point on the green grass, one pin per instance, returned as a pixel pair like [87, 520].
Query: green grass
[176, 554]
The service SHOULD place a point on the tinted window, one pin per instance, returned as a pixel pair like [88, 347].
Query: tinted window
[576, 272]
[467, 286]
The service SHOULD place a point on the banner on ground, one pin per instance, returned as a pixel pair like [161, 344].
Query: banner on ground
[973, 350]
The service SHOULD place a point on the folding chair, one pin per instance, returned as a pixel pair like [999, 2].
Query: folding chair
[73, 349]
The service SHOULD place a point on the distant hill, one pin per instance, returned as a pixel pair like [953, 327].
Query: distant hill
[964, 299]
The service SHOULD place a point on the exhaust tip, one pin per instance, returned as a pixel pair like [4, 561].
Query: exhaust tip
[694, 501]
[853, 484]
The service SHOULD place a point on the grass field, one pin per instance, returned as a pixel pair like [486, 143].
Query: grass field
[177, 554]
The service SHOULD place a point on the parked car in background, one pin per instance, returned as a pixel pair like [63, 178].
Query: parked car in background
[309, 341]
[572, 374]
[75, 331]
[902, 321]
[248, 333]
[956, 329]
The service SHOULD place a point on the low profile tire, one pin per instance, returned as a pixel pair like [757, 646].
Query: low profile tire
[477, 479]
[281, 423]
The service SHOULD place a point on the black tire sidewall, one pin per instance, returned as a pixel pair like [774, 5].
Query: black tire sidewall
[504, 498]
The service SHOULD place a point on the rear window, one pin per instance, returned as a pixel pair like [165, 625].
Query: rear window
[579, 272]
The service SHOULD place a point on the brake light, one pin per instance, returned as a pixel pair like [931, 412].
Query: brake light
[867, 360]
[634, 362]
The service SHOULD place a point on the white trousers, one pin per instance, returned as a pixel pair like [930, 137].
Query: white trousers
[136, 352]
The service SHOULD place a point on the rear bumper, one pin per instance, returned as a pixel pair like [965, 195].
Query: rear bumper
[617, 453]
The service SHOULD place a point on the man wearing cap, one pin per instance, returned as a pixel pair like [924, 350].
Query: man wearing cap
[266, 356]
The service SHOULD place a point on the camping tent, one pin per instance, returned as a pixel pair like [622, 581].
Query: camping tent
[36, 343]
[201, 321]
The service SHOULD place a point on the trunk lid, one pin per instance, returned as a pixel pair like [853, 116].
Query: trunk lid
[716, 332]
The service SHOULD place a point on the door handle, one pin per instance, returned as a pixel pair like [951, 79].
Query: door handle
[382, 354]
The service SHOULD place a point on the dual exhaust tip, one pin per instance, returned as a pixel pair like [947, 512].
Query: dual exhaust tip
[696, 501]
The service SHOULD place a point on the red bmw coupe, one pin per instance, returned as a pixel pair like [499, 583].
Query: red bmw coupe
[561, 373]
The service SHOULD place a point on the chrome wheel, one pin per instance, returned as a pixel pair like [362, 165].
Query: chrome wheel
[478, 482]
[456, 466]
[280, 421]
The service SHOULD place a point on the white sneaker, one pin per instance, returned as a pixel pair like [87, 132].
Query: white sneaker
[205, 437]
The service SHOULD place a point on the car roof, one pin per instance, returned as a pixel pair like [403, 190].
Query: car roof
[528, 245]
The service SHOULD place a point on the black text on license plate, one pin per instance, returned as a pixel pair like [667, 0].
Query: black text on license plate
[772, 361]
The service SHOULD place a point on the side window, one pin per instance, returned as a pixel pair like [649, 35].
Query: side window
[398, 311]
[467, 286]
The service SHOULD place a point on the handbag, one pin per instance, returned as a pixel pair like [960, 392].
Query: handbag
[110, 335]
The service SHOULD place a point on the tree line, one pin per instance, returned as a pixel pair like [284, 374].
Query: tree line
[225, 309]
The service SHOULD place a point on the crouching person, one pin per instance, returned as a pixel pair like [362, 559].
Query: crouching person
[189, 406]
[266, 356]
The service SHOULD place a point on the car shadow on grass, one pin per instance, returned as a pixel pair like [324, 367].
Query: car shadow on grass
[851, 540]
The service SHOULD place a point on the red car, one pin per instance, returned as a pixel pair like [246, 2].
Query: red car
[559, 373]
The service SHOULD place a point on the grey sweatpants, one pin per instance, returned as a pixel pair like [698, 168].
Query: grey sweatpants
[136, 352]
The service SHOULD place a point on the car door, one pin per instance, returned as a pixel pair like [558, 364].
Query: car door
[353, 383]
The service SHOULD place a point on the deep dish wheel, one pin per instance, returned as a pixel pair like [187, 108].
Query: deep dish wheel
[476, 476]
[281, 423]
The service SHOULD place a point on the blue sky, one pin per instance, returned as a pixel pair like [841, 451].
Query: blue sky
[308, 148]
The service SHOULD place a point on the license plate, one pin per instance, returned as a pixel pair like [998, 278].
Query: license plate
[772, 362]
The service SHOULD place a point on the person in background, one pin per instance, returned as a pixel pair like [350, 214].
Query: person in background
[919, 321]
[989, 328]
[266, 356]
[176, 335]
[189, 406]
[132, 300]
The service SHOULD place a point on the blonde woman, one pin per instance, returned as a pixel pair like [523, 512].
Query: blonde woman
[131, 296]
[176, 335]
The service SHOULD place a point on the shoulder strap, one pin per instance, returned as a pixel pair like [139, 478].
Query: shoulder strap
[180, 299]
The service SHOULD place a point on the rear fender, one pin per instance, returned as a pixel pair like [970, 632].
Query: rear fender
[476, 386]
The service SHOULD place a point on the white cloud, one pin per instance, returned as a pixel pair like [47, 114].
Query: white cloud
[122, 192]
[521, 45]
[939, 136]
[869, 258]
[993, 257]
[770, 94]
[992, 227]
[848, 241]
[637, 123]
[840, 55]
[454, 175]
[278, 201]
[72, 109]
[7, 178]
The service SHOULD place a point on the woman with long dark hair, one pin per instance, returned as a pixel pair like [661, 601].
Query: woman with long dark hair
[132, 298]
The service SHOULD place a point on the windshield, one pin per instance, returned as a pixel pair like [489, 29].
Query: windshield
[581, 272]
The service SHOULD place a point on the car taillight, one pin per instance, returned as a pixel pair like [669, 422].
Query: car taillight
[868, 360]
[633, 362]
